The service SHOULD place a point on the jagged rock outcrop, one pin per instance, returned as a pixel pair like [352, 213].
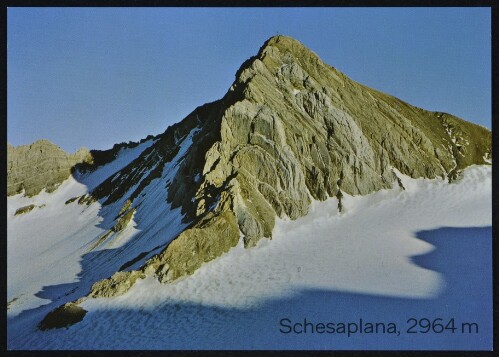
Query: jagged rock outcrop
[116, 285]
[214, 235]
[44, 165]
[291, 129]
[24, 209]
[63, 316]
[41, 165]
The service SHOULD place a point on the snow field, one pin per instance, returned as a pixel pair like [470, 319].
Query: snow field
[366, 255]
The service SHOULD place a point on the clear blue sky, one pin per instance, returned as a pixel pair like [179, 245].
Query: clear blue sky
[96, 76]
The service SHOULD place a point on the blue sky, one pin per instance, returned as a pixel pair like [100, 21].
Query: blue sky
[97, 76]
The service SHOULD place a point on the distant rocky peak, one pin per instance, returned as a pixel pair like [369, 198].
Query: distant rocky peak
[40, 165]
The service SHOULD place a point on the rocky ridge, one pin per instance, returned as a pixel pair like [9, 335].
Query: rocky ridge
[291, 129]
[41, 165]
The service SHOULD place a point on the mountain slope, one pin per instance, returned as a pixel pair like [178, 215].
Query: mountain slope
[290, 130]
[373, 260]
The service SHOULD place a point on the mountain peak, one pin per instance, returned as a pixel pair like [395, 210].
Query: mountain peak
[289, 46]
[283, 42]
[290, 130]
[275, 53]
[40, 165]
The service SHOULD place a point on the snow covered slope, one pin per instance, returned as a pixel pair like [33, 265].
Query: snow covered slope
[59, 249]
[387, 257]
[290, 130]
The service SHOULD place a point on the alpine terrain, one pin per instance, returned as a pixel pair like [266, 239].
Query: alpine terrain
[290, 133]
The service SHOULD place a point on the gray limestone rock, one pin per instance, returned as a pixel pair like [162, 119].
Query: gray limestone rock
[292, 129]
[24, 209]
[41, 165]
[63, 316]
[116, 285]
[123, 220]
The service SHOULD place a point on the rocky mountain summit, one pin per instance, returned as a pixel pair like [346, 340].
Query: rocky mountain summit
[41, 165]
[291, 129]
[44, 165]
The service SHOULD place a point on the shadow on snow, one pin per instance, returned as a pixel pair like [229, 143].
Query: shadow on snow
[462, 255]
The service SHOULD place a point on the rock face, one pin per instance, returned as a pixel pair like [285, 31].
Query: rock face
[63, 316]
[290, 130]
[24, 209]
[41, 165]
[214, 235]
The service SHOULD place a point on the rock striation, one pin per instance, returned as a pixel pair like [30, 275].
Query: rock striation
[291, 129]
[41, 165]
